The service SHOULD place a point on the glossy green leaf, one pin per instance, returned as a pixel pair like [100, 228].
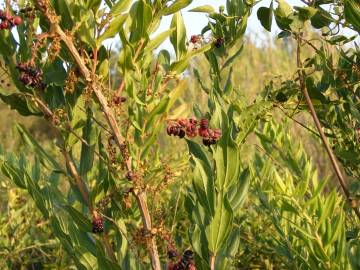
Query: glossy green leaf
[178, 36]
[220, 225]
[112, 29]
[264, 14]
[158, 40]
[175, 7]
[204, 8]
[44, 156]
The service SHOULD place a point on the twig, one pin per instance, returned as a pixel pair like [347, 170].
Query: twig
[298, 122]
[331, 155]
[212, 262]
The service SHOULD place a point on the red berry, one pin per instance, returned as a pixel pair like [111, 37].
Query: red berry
[216, 134]
[204, 132]
[194, 39]
[17, 20]
[4, 25]
[204, 123]
[183, 122]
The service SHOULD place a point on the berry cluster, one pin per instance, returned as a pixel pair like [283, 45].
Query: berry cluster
[185, 263]
[117, 100]
[195, 39]
[8, 21]
[189, 127]
[30, 76]
[97, 224]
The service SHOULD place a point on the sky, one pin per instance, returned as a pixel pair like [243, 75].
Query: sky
[194, 21]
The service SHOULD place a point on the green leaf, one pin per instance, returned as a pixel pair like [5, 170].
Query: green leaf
[306, 13]
[178, 37]
[197, 151]
[204, 8]
[176, 93]
[284, 9]
[44, 156]
[158, 40]
[238, 191]
[175, 7]
[180, 65]
[264, 14]
[352, 13]
[112, 29]
[81, 221]
[62, 8]
[119, 7]
[284, 34]
[220, 225]
[85, 34]
[14, 174]
[87, 150]
[204, 185]
[141, 16]
[321, 19]
[231, 59]
[93, 4]
[227, 160]
[282, 15]
[19, 103]
[159, 109]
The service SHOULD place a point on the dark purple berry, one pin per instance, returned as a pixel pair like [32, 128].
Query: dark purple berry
[172, 254]
[188, 255]
[97, 224]
[118, 100]
[181, 133]
[219, 42]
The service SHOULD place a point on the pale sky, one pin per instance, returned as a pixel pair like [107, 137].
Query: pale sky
[194, 21]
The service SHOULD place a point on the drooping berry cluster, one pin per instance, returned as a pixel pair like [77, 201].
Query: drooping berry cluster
[8, 21]
[189, 127]
[97, 224]
[30, 76]
[185, 263]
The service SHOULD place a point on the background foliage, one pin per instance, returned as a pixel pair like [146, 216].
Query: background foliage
[88, 143]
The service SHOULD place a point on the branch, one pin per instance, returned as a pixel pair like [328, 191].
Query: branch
[80, 183]
[97, 89]
[331, 155]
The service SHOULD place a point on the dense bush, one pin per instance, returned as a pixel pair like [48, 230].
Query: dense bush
[153, 160]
